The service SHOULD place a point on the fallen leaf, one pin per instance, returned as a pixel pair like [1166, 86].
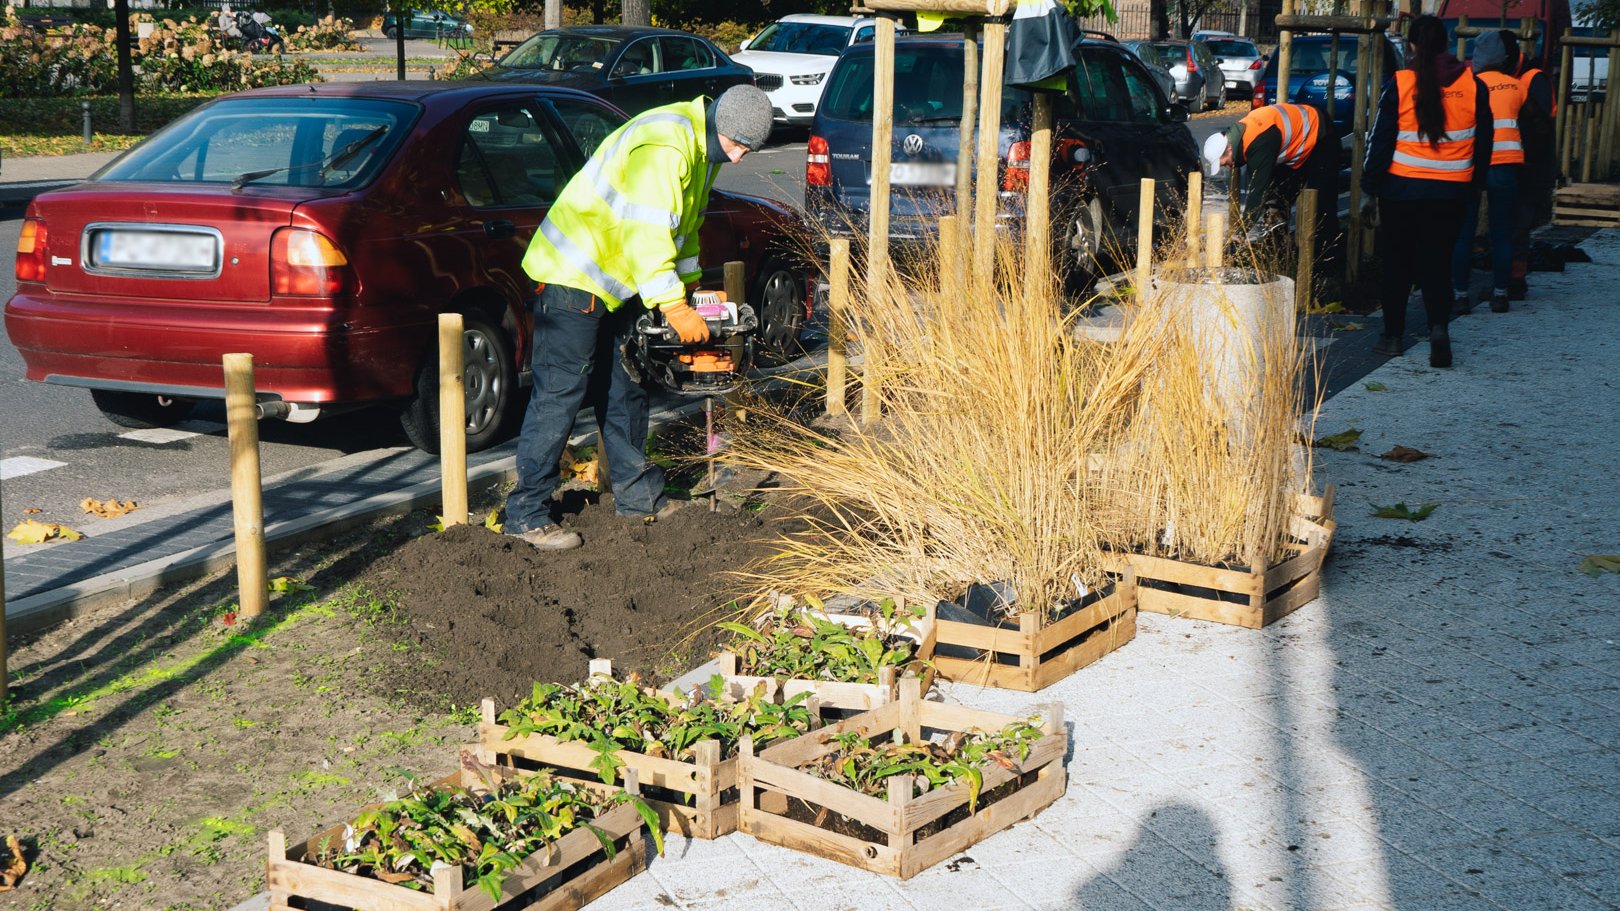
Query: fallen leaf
[491, 524]
[1402, 511]
[1343, 441]
[33, 510]
[1598, 564]
[229, 619]
[284, 584]
[12, 865]
[110, 508]
[1405, 454]
[1337, 326]
[580, 464]
[1375, 387]
[31, 531]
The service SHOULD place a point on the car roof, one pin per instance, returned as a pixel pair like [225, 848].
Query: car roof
[621, 32]
[954, 39]
[423, 90]
[821, 20]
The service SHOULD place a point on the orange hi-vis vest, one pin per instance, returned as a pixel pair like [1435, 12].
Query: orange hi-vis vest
[1298, 123]
[1524, 80]
[1507, 97]
[1452, 158]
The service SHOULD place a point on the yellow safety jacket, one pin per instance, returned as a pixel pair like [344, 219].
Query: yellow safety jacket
[627, 223]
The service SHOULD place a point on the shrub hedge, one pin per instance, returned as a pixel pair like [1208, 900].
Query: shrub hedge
[45, 116]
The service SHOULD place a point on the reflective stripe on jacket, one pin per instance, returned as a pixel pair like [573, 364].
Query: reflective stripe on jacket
[627, 223]
[1298, 123]
[1507, 97]
[1450, 159]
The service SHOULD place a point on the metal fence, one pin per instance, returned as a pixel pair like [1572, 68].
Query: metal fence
[1135, 20]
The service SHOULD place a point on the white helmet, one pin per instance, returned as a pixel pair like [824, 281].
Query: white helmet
[1214, 147]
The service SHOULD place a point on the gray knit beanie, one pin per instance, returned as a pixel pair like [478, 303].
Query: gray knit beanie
[1489, 52]
[743, 114]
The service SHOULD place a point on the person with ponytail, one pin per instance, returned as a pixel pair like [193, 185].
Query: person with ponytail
[1429, 152]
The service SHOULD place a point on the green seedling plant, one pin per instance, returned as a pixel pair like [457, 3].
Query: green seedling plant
[866, 767]
[610, 715]
[487, 829]
[802, 644]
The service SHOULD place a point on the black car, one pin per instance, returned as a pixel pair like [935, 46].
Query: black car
[1114, 126]
[634, 68]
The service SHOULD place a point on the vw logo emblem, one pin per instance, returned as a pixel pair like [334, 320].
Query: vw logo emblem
[912, 144]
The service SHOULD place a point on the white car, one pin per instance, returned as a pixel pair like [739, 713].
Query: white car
[792, 56]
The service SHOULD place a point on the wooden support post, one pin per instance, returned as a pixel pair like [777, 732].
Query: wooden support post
[1144, 240]
[1462, 40]
[1037, 214]
[1365, 49]
[1594, 116]
[1215, 241]
[947, 260]
[247, 499]
[838, 326]
[1330, 96]
[989, 157]
[966, 135]
[736, 286]
[1285, 56]
[1561, 127]
[877, 257]
[1195, 215]
[1611, 112]
[453, 419]
[1305, 230]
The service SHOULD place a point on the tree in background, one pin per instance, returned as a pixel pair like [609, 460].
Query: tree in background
[636, 12]
[126, 68]
[1603, 13]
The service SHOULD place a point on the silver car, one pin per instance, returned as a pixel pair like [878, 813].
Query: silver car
[1149, 55]
[1199, 81]
[1240, 61]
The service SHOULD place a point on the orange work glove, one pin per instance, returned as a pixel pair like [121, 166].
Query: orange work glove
[686, 322]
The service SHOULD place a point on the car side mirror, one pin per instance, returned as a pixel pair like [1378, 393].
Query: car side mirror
[744, 45]
[1176, 112]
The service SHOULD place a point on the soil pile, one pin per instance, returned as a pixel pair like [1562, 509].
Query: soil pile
[496, 615]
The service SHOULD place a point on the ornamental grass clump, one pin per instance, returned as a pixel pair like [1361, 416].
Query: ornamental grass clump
[487, 829]
[804, 643]
[994, 411]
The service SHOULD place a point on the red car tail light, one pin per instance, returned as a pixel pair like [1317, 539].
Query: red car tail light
[31, 255]
[1073, 152]
[1016, 177]
[1259, 99]
[1192, 65]
[818, 163]
[305, 263]
[1258, 65]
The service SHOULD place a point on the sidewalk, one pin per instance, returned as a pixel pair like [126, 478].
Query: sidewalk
[1440, 730]
[21, 179]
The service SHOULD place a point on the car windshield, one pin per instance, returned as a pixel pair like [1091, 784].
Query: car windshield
[1222, 48]
[802, 38]
[553, 51]
[291, 136]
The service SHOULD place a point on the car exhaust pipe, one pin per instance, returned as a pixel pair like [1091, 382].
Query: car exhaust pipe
[291, 412]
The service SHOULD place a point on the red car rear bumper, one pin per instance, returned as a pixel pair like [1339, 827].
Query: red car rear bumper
[303, 351]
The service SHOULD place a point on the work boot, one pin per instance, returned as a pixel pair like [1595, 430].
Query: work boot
[1389, 346]
[1439, 347]
[1517, 288]
[1462, 304]
[550, 536]
[1499, 301]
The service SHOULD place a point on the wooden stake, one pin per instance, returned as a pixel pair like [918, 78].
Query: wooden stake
[1611, 112]
[736, 281]
[1144, 239]
[1305, 230]
[1594, 117]
[1330, 96]
[1195, 214]
[1358, 146]
[247, 499]
[965, 138]
[1462, 40]
[1562, 119]
[1037, 215]
[838, 327]
[989, 158]
[1285, 56]
[453, 419]
[877, 259]
[1215, 241]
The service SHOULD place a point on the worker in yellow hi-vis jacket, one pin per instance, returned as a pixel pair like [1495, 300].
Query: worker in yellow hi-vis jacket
[624, 230]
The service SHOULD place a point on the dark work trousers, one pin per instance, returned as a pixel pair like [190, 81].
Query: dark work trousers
[1319, 172]
[1416, 237]
[1502, 212]
[574, 332]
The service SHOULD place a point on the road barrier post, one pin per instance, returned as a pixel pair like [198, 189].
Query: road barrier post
[452, 419]
[247, 496]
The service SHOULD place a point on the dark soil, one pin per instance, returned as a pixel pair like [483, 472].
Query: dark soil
[494, 615]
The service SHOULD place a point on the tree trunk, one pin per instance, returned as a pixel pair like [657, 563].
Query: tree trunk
[553, 14]
[637, 12]
[1161, 19]
[402, 17]
[126, 68]
[598, 11]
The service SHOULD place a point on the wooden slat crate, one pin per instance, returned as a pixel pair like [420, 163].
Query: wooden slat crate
[575, 872]
[1243, 597]
[772, 782]
[834, 694]
[1038, 652]
[1590, 204]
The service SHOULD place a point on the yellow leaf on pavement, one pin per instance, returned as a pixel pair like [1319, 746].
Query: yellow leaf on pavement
[31, 531]
[12, 864]
[110, 508]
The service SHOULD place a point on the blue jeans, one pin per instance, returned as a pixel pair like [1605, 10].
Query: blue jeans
[572, 332]
[1502, 189]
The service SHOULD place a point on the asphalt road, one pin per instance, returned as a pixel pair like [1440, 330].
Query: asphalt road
[56, 449]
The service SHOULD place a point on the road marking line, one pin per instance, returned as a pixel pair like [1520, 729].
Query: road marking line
[17, 466]
[183, 431]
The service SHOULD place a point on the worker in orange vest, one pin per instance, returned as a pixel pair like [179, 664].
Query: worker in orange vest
[1537, 128]
[1493, 66]
[1430, 150]
[1285, 149]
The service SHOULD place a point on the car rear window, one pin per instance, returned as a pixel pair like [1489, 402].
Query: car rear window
[299, 139]
[928, 84]
[801, 38]
[1174, 54]
[1232, 49]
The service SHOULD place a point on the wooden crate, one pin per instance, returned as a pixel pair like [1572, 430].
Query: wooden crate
[835, 694]
[576, 866]
[1590, 204]
[1037, 652]
[1243, 597]
[771, 783]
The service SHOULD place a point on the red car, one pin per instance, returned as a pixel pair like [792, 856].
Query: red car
[324, 229]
